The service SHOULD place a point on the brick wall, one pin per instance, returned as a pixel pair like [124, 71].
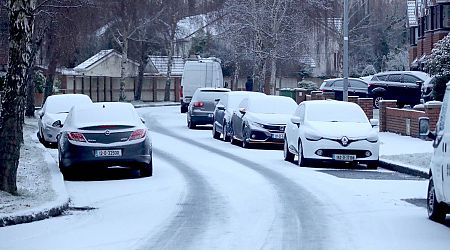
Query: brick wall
[412, 51]
[367, 106]
[406, 121]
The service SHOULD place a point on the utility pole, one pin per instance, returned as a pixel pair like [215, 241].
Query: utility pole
[345, 24]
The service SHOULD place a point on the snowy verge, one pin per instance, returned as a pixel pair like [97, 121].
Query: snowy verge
[42, 195]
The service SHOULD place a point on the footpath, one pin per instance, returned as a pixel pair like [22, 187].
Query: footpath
[42, 192]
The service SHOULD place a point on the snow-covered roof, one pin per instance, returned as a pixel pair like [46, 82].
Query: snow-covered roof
[93, 59]
[159, 65]
[189, 25]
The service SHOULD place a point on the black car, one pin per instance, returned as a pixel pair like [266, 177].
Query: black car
[403, 86]
[356, 87]
[102, 135]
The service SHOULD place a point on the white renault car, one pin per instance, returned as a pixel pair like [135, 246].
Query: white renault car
[54, 112]
[331, 131]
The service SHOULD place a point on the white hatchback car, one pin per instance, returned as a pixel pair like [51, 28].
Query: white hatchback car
[331, 131]
[54, 112]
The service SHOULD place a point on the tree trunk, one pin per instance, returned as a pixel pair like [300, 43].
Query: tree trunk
[123, 67]
[29, 112]
[50, 78]
[169, 64]
[142, 64]
[273, 75]
[21, 21]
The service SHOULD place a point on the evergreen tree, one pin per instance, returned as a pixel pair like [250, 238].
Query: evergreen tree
[439, 64]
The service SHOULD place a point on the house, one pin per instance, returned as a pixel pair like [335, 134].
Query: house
[99, 77]
[428, 22]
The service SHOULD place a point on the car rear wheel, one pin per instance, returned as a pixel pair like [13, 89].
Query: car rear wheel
[436, 210]
[146, 170]
[288, 156]
[216, 135]
[376, 101]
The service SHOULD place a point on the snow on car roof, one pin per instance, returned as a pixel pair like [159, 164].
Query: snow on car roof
[63, 103]
[420, 74]
[104, 113]
[334, 111]
[214, 89]
[271, 104]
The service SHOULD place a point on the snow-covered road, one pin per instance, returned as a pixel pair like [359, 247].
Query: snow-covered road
[208, 194]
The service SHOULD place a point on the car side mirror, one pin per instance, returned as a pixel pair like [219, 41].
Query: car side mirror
[220, 107]
[418, 83]
[57, 124]
[142, 120]
[296, 120]
[242, 111]
[40, 113]
[374, 122]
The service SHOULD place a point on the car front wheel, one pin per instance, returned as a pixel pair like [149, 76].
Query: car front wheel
[436, 210]
[288, 156]
[301, 159]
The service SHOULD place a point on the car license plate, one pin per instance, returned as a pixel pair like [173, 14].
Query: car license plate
[278, 136]
[108, 153]
[339, 157]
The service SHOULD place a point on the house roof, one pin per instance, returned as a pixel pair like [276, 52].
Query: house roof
[97, 58]
[158, 65]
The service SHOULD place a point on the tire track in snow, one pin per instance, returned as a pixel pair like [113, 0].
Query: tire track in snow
[195, 209]
[304, 226]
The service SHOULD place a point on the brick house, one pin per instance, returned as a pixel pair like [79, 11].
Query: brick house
[428, 22]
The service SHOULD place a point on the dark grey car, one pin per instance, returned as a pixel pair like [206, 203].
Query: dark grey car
[356, 87]
[201, 108]
[102, 135]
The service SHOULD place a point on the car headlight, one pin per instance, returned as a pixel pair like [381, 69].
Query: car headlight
[372, 137]
[255, 124]
[310, 135]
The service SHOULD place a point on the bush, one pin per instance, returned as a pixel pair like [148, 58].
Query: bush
[308, 85]
[39, 82]
[439, 87]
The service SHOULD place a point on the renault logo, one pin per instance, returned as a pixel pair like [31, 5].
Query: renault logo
[344, 141]
[107, 132]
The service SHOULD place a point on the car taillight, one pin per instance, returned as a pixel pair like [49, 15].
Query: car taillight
[75, 136]
[137, 134]
[198, 104]
[369, 84]
[181, 92]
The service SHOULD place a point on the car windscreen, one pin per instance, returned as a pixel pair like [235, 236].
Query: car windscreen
[63, 105]
[328, 112]
[272, 105]
[209, 95]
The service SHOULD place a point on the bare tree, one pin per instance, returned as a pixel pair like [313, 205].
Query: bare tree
[21, 22]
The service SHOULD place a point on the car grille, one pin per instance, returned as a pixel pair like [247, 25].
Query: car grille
[330, 152]
[106, 139]
[275, 128]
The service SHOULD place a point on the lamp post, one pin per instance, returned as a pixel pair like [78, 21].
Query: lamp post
[345, 24]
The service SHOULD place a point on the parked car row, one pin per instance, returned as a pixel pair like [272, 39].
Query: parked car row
[407, 87]
[95, 135]
[315, 131]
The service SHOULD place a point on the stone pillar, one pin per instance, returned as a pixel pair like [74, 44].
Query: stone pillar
[383, 105]
[367, 106]
[432, 110]
[353, 99]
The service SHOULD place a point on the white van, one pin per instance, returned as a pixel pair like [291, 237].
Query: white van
[201, 73]
[438, 198]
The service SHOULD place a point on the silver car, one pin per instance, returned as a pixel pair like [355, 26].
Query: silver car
[201, 108]
[53, 114]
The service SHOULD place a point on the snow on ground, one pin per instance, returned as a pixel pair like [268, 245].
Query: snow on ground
[394, 144]
[33, 175]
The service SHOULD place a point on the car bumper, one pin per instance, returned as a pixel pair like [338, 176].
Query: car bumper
[202, 118]
[133, 155]
[264, 136]
[329, 148]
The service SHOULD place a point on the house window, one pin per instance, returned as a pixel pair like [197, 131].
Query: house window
[446, 16]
